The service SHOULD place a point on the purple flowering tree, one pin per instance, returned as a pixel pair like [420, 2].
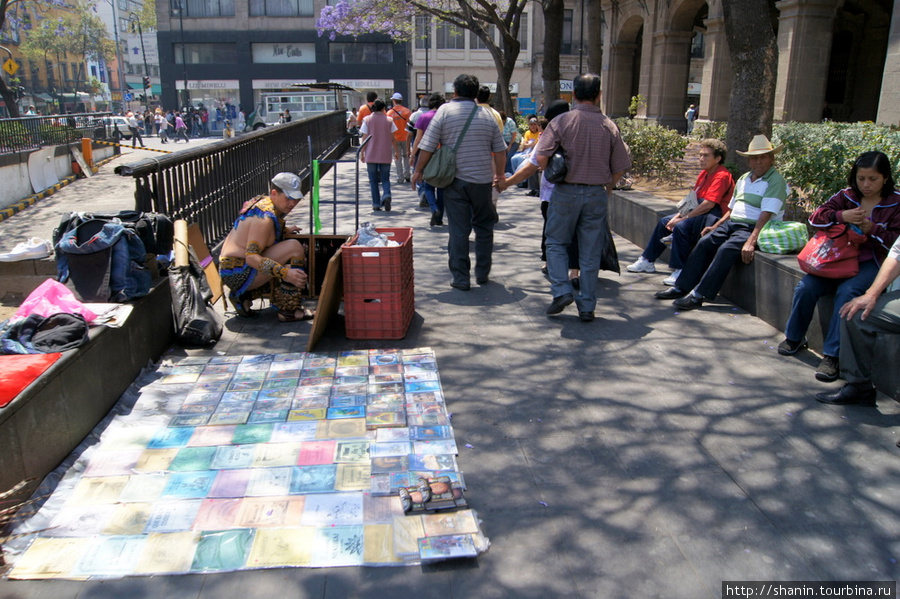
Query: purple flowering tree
[397, 19]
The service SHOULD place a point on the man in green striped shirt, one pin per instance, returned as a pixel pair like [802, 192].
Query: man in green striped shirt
[759, 197]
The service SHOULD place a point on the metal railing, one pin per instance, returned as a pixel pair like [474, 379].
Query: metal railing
[35, 132]
[208, 185]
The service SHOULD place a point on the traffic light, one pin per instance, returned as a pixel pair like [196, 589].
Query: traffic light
[146, 82]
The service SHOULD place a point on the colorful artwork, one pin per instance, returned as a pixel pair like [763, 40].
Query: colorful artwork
[266, 461]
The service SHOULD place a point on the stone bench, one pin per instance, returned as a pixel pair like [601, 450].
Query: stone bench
[50, 417]
[763, 288]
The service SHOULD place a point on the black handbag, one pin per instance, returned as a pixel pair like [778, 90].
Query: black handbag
[556, 169]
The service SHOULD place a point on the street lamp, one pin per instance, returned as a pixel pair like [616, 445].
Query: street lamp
[120, 74]
[186, 95]
[134, 21]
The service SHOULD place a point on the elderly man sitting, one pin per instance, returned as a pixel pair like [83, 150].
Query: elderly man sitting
[759, 197]
[863, 318]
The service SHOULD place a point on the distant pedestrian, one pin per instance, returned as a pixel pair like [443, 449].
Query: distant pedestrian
[135, 127]
[180, 128]
[378, 129]
[690, 116]
[400, 114]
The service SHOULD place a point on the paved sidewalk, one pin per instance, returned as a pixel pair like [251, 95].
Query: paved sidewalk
[646, 454]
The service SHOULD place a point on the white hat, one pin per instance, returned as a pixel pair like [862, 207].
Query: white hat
[397, 96]
[760, 145]
[289, 183]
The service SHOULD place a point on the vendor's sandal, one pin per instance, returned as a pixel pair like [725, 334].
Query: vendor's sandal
[284, 316]
[243, 307]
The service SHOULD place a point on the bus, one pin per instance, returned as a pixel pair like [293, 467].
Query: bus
[308, 100]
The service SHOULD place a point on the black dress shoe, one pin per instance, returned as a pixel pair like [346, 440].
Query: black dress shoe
[586, 316]
[849, 394]
[689, 302]
[434, 219]
[670, 293]
[559, 303]
[461, 286]
[386, 202]
[482, 280]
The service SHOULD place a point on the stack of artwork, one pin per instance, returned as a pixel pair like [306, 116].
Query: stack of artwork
[243, 462]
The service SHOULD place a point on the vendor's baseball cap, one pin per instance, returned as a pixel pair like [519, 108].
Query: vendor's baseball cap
[397, 96]
[289, 183]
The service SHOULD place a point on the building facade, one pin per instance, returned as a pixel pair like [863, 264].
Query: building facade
[227, 53]
[834, 60]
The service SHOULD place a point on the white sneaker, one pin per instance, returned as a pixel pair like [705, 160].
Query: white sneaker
[666, 240]
[642, 265]
[670, 280]
[33, 249]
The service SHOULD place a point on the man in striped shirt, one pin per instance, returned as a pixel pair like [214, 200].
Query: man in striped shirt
[467, 200]
[759, 197]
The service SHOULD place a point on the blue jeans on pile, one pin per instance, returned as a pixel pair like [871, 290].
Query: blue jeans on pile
[379, 173]
[807, 294]
[580, 209]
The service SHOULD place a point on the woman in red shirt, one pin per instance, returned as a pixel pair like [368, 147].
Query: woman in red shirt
[714, 188]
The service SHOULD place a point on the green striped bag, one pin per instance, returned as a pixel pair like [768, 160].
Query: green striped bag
[782, 237]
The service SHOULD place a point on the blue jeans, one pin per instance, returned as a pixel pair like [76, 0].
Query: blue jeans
[685, 236]
[575, 209]
[434, 196]
[807, 294]
[711, 261]
[379, 173]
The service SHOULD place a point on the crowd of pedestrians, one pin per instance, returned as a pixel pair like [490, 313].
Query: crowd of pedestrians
[706, 237]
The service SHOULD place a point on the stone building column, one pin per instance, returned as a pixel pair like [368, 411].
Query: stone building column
[715, 97]
[617, 90]
[668, 77]
[804, 50]
[889, 102]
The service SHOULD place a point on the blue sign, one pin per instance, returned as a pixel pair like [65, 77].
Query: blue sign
[129, 97]
[527, 106]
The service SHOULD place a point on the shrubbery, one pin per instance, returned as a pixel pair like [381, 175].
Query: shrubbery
[710, 129]
[817, 157]
[656, 151]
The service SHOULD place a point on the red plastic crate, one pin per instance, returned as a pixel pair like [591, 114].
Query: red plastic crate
[375, 270]
[381, 315]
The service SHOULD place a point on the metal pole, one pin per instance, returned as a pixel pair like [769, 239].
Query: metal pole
[135, 21]
[186, 96]
[120, 73]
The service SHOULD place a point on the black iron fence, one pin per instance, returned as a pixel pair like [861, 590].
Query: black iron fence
[208, 185]
[35, 132]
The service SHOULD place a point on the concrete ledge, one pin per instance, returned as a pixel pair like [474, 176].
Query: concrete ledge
[41, 426]
[763, 288]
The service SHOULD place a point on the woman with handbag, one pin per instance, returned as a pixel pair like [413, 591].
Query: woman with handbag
[870, 204]
[713, 191]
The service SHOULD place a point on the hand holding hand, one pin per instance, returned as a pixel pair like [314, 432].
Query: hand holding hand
[501, 183]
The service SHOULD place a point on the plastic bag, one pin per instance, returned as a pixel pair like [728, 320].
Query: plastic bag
[52, 297]
[368, 236]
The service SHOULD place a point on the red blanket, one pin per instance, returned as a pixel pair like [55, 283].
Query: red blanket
[18, 371]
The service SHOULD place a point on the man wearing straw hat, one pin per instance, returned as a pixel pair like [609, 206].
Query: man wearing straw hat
[759, 197]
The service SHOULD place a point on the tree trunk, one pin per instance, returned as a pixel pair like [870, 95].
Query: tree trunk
[505, 61]
[594, 43]
[553, 29]
[9, 96]
[754, 61]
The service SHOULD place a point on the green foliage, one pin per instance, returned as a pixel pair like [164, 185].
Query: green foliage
[637, 102]
[656, 151]
[710, 130]
[817, 157]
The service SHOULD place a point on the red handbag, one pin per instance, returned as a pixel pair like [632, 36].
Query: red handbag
[833, 253]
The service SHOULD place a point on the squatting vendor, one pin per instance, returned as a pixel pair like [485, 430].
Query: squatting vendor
[257, 260]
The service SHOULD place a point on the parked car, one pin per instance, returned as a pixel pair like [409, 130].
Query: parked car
[116, 127]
